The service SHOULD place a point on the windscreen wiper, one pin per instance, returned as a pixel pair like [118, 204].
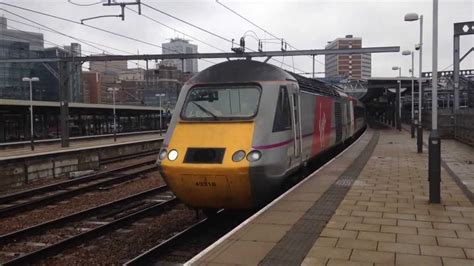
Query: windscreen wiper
[206, 111]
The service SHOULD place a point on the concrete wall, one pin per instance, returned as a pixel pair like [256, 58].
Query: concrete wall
[17, 172]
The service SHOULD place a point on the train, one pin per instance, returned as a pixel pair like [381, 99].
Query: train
[240, 128]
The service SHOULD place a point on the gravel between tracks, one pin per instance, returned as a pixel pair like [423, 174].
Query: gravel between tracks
[80, 202]
[119, 246]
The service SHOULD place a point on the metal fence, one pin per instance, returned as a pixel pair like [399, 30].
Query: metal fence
[459, 125]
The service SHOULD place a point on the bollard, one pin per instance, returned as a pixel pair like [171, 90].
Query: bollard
[434, 167]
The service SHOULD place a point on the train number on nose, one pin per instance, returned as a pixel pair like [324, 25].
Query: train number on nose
[205, 184]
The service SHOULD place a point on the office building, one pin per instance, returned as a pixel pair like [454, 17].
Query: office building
[23, 44]
[178, 46]
[18, 44]
[355, 66]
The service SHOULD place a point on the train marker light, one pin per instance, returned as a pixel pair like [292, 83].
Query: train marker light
[172, 155]
[254, 156]
[162, 155]
[238, 156]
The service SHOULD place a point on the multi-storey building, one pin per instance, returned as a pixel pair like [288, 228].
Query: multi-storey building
[23, 44]
[18, 44]
[91, 87]
[107, 67]
[355, 66]
[180, 46]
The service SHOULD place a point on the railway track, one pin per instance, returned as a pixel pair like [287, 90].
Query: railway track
[128, 157]
[32, 244]
[184, 245]
[29, 199]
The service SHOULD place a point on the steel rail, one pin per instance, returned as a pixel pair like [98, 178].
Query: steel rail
[148, 257]
[35, 229]
[64, 184]
[56, 248]
[205, 232]
[24, 206]
[128, 157]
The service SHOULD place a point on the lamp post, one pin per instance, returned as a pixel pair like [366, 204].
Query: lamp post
[161, 111]
[32, 135]
[419, 133]
[113, 90]
[434, 146]
[399, 104]
[412, 91]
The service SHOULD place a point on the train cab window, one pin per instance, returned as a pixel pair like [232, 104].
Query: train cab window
[282, 120]
[221, 103]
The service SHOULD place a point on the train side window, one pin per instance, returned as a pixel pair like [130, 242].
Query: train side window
[282, 120]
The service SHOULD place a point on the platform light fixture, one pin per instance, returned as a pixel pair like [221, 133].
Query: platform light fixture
[399, 97]
[412, 127]
[32, 135]
[434, 141]
[410, 17]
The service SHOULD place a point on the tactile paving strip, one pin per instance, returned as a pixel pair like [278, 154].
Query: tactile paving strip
[293, 247]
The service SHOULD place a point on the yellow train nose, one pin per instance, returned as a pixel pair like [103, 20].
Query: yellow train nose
[204, 175]
[198, 186]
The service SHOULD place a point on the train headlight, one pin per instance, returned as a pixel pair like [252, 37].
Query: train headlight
[254, 156]
[172, 155]
[238, 156]
[162, 154]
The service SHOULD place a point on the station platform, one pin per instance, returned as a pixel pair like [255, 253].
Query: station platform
[14, 152]
[368, 206]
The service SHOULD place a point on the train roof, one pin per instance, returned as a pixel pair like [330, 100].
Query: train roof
[242, 71]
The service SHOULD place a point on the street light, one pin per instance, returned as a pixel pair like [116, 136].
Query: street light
[406, 52]
[434, 145]
[113, 90]
[161, 110]
[415, 17]
[399, 92]
[31, 80]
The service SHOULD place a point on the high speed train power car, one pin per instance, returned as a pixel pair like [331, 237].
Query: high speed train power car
[241, 127]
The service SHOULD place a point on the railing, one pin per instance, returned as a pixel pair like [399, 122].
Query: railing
[459, 125]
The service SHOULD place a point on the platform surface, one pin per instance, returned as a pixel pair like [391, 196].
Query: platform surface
[43, 148]
[369, 206]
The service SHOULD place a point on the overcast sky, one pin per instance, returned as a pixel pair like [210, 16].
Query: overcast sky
[307, 24]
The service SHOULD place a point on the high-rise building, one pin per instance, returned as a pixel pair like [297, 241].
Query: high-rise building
[23, 44]
[355, 66]
[91, 87]
[18, 44]
[181, 46]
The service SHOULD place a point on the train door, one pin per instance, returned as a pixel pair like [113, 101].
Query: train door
[338, 120]
[296, 121]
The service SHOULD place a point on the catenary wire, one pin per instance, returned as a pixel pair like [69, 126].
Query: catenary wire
[207, 31]
[92, 27]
